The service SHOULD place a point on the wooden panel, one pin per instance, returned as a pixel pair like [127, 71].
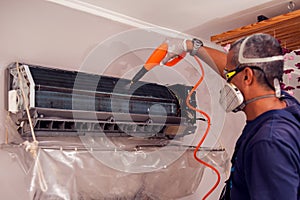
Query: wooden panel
[285, 28]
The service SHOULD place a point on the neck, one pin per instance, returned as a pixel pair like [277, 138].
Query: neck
[260, 106]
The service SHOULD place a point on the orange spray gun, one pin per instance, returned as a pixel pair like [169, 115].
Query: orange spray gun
[155, 59]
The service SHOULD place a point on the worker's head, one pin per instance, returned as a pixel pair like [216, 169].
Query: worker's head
[254, 67]
[259, 46]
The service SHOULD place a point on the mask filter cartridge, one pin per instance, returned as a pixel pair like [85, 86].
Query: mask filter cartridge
[231, 98]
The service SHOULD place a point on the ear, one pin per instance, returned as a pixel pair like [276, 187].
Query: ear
[248, 76]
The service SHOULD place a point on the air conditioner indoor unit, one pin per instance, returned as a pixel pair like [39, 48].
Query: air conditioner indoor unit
[71, 103]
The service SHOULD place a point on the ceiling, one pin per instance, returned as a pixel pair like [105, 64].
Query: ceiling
[196, 17]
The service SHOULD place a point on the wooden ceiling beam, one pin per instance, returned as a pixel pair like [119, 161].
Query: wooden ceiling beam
[285, 28]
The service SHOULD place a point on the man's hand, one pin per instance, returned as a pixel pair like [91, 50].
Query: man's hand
[176, 47]
[214, 58]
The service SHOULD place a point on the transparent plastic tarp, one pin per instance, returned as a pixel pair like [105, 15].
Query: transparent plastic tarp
[67, 168]
[59, 173]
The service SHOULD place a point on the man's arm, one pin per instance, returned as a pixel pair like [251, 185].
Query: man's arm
[213, 57]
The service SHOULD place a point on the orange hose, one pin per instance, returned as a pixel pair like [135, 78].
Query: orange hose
[206, 131]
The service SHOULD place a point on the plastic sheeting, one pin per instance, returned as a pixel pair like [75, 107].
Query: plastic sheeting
[93, 167]
[77, 174]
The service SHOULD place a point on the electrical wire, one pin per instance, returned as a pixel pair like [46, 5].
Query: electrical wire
[206, 131]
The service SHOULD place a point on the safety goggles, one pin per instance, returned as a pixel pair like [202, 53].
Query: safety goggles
[229, 74]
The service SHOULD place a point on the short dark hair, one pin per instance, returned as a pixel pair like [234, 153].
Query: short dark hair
[260, 46]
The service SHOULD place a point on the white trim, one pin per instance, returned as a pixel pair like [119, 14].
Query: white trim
[114, 16]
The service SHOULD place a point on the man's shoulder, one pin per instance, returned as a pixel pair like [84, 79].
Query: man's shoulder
[276, 126]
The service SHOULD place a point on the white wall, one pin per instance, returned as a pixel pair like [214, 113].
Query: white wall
[38, 32]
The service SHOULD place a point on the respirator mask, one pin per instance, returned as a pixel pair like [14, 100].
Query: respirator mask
[231, 98]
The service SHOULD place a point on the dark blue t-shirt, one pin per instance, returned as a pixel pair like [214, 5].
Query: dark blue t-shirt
[267, 162]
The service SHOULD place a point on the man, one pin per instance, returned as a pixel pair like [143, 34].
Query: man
[266, 160]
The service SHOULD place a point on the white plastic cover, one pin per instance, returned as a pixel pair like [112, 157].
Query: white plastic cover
[65, 168]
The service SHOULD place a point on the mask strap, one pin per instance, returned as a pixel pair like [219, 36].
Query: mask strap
[257, 98]
[242, 106]
[243, 60]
